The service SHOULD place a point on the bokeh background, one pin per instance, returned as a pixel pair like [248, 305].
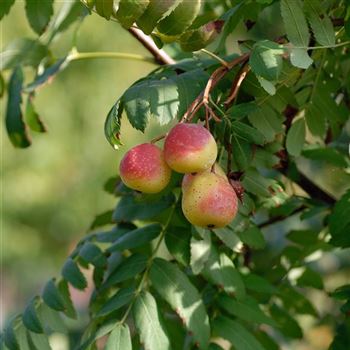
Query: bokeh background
[52, 190]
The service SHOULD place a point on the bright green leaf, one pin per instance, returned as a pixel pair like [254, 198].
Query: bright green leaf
[119, 339]
[32, 117]
[130, 10]
[296, 137]
[104, 8]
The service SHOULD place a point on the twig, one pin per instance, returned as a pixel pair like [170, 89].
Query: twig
[242, 73]
[277, 219]
[158, 138]
[160, 56]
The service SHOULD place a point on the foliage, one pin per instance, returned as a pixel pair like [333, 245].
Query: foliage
[282, 95]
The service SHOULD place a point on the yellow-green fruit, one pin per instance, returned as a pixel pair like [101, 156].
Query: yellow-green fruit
[209, 201]
[188, 178]
[190, 148]
[143, 169]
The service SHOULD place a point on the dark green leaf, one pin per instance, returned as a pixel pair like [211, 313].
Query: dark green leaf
[92, 254]
[179, 19]
[315, 119]
[9, 335]
[221, 271]
[247, 309]
[342, 292]
[248, 133]
[52, 296]
[228, 237]
[24, 51]
[5, 7]
[47, 75]
[241, 110]
[147, 321]
[39, 14]
[253, 237]
[177, 240]
[118, 300]
[102, 219]
[53, 320]
[15, 126]
[288, 326]
[129, 268]
[113, 124]
[38, 341]
[129, 11]
[256, 184]
[136, 238]
[241, 151]
[236, 334]
[321, 25]
[119, 339]
[155, 11]
[310, 278]
[175, 287]
[30, 317]
[329, 155]
[296, 137]
[339, 222]
[133, 207]
[266, 59]
[104, 8]
[258, 284]
[69, 307]
[200, 251]
[303, 237]
[73, 275]
[32, 117]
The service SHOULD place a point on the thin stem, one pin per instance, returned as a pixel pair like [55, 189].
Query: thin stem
[158, 138]
[76, 56]
[212, 54]
[322, 47]
[149, 263]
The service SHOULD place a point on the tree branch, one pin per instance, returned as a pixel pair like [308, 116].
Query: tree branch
[160, 56]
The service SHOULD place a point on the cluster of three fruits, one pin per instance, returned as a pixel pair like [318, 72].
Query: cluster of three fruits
[208, 199]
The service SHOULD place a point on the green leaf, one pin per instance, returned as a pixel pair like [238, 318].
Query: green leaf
[315, 119]
[267, 85]
[256, 184]
[258, 284]
[321, 25]
[288, 326]
[175, 287]
[180, 19]
[177, 240]
[296, 137]
[266, 59]
[129, 268]
[267, 122]
[241, 152]
[53, 320]
[339, 222]
[73, 275]
[151, 98]
[200, 251]
[242, 109]
[104, 8]
[47, 75]
[147, 321]
[118, 300]
[303, 237]
[24, 51]
[102, 219]
[32, 117]
[295, 22]
[155, 11]
[136, 238]
[236, 334]
[9, 334]
[228, 237]
[253, 237]
[247, 309]
[38, 341]
[221, 271]
[69, 307]
[248, 133]
[300, 58]
[52, 296]
[92, 254]
[15, 126]
[119, 339]
[329, 155]
[30, 317]
[5, 7]
[39, 14]
[113, 124]
[130, 10]
[310, 278]
[133, 207]
[69, 12]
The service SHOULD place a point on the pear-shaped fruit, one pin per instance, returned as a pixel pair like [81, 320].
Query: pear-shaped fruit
[190, 148]
[144, 169]
[188, 178]
[209, 201]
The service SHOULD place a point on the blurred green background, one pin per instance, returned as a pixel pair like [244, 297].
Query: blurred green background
[52, 190]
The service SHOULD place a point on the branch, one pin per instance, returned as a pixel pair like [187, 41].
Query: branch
[160, 56]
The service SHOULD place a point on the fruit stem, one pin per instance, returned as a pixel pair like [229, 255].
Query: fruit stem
[219, 59]
[158, 138]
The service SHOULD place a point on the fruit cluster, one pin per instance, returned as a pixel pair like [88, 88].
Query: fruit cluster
[208, 198]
